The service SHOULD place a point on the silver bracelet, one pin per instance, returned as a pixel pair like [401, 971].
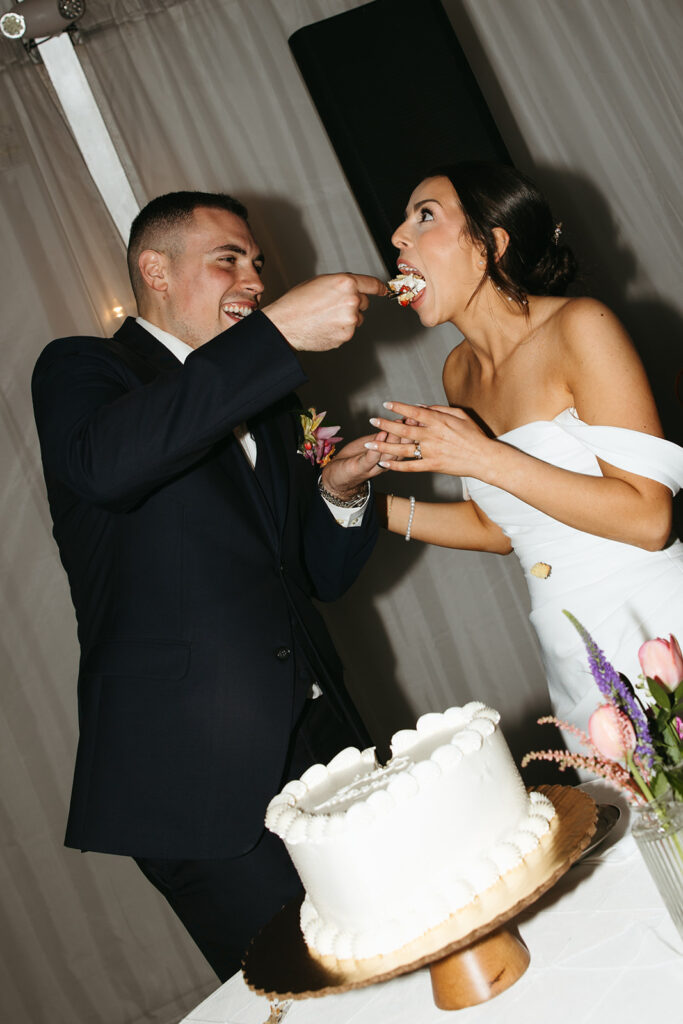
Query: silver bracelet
[355, 501]
[409, 527]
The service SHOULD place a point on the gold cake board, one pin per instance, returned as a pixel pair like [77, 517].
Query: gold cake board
[474, 956]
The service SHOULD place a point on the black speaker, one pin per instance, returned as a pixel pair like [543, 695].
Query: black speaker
[397, 98]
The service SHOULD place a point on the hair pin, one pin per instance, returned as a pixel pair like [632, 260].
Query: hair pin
[557, 232]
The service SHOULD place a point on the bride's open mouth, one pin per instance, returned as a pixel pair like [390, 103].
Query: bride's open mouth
[408, 284]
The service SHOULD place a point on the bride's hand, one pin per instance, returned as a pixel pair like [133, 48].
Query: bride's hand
[439, 439]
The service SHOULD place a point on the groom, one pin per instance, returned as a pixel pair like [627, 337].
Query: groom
[195, 538]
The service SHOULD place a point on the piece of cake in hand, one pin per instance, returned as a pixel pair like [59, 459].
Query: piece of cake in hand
[386, 853]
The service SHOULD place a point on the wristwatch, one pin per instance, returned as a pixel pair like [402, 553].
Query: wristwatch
[355, 501]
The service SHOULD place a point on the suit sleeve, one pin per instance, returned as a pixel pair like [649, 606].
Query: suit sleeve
[113, 441]
[334, 555]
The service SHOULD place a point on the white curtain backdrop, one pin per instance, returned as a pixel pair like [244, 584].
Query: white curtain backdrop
[205, 94]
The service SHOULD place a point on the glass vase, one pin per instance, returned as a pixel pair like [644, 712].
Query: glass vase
[657, 828]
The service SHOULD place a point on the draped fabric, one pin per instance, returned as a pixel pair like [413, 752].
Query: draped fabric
[205, 94]
[587, 96]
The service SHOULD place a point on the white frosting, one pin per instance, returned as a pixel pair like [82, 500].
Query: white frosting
[385, 853]
[413, 282]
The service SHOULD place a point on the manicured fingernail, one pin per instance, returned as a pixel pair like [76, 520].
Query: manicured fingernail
[374, 421]
[387, 405]
[384, 465]
[369, 444]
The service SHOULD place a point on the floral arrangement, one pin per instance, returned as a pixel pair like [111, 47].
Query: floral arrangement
[318, 443]
[635, 743]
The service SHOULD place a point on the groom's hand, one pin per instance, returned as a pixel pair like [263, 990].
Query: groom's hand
[324, 312]
[353, 464]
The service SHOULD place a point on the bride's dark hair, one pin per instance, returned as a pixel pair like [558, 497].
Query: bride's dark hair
[498, 196]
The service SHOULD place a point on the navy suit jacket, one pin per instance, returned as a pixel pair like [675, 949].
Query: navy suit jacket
[192, 577]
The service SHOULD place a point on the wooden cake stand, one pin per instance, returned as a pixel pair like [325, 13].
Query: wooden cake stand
[474, 955]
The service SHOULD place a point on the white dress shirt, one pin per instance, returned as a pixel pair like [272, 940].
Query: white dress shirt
[343, 516]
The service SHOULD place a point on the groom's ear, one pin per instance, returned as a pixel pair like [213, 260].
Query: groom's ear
[502, 240]
[154, 269]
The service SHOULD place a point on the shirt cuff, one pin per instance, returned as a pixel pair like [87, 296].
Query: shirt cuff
[347, 517]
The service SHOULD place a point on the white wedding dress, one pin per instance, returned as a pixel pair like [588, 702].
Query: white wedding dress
[622, 594]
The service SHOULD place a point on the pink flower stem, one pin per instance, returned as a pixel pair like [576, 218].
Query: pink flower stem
[610, 770]
[635, 772]
[671, 728]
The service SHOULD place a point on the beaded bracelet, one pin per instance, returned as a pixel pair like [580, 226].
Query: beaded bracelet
[409, 527]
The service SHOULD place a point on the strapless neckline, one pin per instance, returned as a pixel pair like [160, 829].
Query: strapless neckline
[536, 423]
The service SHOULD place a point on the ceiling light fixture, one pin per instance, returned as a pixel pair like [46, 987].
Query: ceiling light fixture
[39, 19]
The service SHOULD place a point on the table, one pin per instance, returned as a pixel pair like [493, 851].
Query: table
[603, 951]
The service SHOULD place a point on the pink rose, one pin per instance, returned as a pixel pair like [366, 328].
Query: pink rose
[662, 660]
[611, 732]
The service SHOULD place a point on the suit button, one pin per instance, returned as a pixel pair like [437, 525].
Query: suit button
[282, 653]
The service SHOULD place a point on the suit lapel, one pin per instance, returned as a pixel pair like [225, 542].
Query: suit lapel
[271, 467]
[268, 483]
[236, 465]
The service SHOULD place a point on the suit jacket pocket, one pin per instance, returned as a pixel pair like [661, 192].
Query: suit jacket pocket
[148, 659]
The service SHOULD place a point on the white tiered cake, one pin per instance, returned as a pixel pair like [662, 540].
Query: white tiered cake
[386, 853]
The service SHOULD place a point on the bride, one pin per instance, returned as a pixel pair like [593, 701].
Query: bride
[550, 422]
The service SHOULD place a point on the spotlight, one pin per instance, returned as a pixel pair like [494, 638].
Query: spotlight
[37, 19]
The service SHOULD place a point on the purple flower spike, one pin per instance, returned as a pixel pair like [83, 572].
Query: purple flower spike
[618, 693]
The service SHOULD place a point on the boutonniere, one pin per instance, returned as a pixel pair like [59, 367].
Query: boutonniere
[318, 443]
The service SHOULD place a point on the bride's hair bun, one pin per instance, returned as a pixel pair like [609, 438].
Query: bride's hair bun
[498, 196]
[554, 272]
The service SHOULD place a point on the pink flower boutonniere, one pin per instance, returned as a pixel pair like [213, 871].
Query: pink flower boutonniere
[319, 443]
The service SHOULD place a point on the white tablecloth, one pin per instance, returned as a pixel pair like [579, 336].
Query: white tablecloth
[603, 951]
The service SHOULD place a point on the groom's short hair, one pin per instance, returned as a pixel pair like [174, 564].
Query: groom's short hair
[156, 225]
